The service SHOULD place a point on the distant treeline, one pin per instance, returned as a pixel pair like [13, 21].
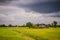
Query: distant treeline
[31, 25]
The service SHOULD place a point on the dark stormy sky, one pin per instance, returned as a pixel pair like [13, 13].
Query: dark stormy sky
[22, 11]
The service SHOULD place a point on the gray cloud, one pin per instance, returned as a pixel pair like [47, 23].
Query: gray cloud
[25, 1]
[19, 16]
[3, 1]
[22, 11]
[56, 15]
[45, 7]
[42, 6]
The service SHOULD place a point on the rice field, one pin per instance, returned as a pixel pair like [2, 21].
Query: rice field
[20, 33]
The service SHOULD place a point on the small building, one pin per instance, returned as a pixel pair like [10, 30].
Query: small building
[42, 26]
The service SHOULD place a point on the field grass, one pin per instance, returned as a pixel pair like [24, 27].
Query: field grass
[20, 33]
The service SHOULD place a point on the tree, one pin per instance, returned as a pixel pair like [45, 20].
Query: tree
[23, 25]
[58, 25]
[35, 25]
[49, 25]
[29, 24]
[55, 24]
[10, 25]
[3, 25]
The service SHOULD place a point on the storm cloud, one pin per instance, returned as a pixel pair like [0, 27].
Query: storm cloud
[22, 11]
[45, 7]
[41, 6]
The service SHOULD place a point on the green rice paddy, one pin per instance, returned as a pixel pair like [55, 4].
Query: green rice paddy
[20, 33]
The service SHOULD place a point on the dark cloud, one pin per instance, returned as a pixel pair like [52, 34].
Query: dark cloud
[45, 7]
[20, 16]
[42, 6]
[56, 15]
[3, 1]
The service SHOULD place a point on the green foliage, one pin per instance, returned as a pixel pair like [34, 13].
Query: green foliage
[23, 25]
[35, 26]
[54, 24]
[49, 25]
[10, 25]
[3, 25]
[58, 25]
[29, 24]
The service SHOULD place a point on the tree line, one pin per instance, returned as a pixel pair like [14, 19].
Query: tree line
[31, 25]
